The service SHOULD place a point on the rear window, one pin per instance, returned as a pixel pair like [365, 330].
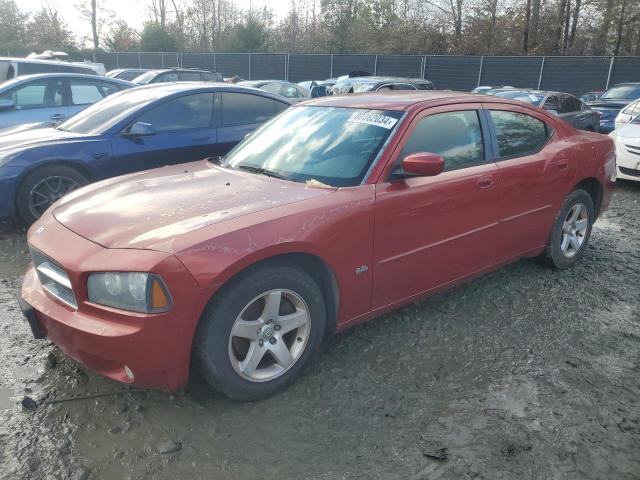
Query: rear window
[28, 68]
[246, 109]
[518, 134]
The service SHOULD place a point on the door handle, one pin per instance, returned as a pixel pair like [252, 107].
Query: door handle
[485, 181]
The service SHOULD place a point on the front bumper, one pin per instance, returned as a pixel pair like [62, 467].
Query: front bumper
[628, 164]
[149, 350]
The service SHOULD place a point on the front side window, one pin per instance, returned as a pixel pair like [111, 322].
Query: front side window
[182, 113]
[518, 134]
[289, 91]
[84, 93]
[455, 136]
[167, 77]
[333, 146]
[37, 94]
[245, 109]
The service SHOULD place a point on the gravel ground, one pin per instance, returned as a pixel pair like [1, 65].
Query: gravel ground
[523, 373]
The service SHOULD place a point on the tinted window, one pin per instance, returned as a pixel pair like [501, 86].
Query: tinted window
[128, 75]
[190, 76]
[272, 88]
[518, 134]
[245, 109]
[167, 77]
[280, 106]
[209, 77]
[289, 91]
[456, 136]
[552, 103]
[37, 94]
[85, 92]
[570, 104]
[190, 111]
[397, 86]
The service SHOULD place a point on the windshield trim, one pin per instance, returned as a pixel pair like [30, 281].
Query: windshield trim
[383, 148]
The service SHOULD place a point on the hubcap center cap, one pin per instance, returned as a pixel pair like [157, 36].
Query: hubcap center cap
[267, 331]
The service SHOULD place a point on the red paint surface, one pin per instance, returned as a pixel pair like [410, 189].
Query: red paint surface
[197, 225]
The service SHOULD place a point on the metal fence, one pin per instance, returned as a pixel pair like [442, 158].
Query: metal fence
[563, 73]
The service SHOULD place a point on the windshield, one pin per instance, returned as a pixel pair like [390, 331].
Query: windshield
[333, 146]
[101, 116]
[531, 98]
[636, 120]
[630, 92]
[145, 77]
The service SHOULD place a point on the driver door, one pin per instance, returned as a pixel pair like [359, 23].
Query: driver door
[430, 231]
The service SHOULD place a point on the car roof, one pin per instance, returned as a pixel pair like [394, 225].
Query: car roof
[379, 79]
[170, 88]
[405, 100]
[25, 78]
[177, 69]
[45, 62]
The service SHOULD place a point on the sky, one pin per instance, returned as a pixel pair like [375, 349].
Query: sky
[134, 12]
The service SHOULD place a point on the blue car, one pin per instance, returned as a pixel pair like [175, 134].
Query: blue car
[133, 130]
[50, 98]
[609, 104]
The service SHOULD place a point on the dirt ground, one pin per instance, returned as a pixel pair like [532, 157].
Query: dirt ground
[525, 373]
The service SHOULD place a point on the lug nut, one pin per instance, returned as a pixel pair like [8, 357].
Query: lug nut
[272, 340]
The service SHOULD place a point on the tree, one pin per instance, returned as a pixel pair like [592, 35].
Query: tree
[12, 26]
[48, 31]
[155, 38]
[122, 38]
[248, 37]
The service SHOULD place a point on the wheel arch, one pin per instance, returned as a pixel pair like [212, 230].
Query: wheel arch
[311, 264]
[594, 188]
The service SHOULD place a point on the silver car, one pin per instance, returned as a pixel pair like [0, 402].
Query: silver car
[50, 98]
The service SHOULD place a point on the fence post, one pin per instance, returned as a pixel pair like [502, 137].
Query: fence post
[139, 59]
[117, 61]
[250, 58]
[286, 68]
[480, 70]
[541, 70]
[375, 66]
[162, 59]
[178, 62]
[331, 73]
[215, 65]
[424, 67]
[609, 74]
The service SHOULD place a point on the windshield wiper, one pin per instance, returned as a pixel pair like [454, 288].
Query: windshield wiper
[262, 171]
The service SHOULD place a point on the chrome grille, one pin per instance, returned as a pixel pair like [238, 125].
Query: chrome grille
[53, 278]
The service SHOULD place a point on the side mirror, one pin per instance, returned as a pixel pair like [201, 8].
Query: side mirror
[141, 129]
[7, 104]
[423, 164]
[318, 91]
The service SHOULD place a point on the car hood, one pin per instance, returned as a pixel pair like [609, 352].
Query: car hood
[613, 103]
[30, 137]
[148, 210]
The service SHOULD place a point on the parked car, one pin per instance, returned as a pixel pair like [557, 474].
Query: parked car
[126, 73]
[591, 96]
[50, 98]
[485, 89]
[134, 130]
[177, 75]
[612, 101]
[245, 266]
[320, 88]
[564, 105]
[330, 82]
[17, 67]
[289, 90]
[627, 139]
[378, 84]
[627, 114]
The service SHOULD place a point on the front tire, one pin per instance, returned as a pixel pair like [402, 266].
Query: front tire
[43, 187]
[260, 331]
[571, 230]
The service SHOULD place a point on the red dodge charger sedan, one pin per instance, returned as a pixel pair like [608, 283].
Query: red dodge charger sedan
[336, 211]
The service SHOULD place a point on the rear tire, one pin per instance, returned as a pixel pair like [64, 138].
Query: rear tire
[260, 331]
[571, 230]
[43, 187]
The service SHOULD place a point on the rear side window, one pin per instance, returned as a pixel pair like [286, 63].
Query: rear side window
[570, 104]
[396, 86]
[86, 92]
[37, 94]
[455, 136]
[289, 91]
[190, 76]
[518, 134]
[245, 109]
[183, 113]
[166, 77]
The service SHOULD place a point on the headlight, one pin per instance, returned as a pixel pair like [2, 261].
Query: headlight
[134, 291]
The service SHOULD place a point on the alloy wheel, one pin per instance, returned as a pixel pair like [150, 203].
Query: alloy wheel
[574, 230]
[47, 191]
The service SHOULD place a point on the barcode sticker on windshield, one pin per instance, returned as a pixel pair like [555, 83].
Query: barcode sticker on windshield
[374, 119]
